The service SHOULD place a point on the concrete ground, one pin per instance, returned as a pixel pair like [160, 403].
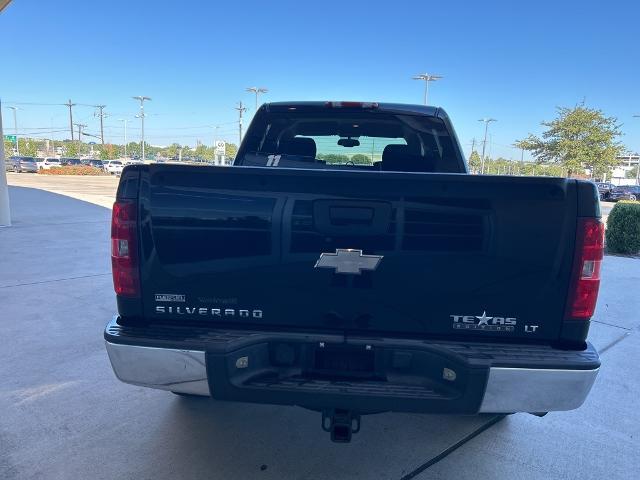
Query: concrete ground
[64, 415]
[100, 190]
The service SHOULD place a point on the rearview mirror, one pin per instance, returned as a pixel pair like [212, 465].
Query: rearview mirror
[349, 142]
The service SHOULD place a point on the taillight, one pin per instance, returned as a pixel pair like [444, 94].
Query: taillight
[585, 280]
[351, 104]
[124, 253]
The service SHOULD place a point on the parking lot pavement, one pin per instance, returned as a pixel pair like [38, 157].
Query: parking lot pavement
[64, 414]
[100, 190]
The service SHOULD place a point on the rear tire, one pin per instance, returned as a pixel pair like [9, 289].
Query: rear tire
[633, 198]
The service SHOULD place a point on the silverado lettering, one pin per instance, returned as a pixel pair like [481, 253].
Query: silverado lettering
[216, 312]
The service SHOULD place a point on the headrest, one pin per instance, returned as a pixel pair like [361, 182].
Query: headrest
[404, 158]
[301, 146]
[394, 151]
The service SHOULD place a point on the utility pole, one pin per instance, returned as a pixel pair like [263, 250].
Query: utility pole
[257, 91]
[80, 127]
[53, 142]
[426, 77]
[486, 121]
[101, 115]
[70, 105]
[15, 128]
[125, 121]
[141, 117]
[240, 110]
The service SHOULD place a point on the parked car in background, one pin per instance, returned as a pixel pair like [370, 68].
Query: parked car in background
[114, 167]
[96, 164]
[22, 164]
[604, 189]
[70, 161]
[625, 192]
[46, 163]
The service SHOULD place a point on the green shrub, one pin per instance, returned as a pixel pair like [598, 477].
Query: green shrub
[623, 228]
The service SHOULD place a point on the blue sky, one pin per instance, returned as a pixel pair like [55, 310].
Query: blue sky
[513, 61]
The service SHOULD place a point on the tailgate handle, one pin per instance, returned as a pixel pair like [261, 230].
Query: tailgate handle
[351, 217]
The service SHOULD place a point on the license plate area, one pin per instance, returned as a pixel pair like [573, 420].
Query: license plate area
[337, 361]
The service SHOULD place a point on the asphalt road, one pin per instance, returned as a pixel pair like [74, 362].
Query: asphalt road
[65, 415]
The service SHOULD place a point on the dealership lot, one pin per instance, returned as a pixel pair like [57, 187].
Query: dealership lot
[66, 416]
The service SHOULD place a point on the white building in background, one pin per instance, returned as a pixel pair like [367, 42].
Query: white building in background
[626, 164]
[629, 159]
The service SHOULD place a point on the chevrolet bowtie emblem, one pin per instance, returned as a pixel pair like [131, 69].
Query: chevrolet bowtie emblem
[348, 261]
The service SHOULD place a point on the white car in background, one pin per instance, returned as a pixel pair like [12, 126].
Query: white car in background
[114, 167]
[46, 163]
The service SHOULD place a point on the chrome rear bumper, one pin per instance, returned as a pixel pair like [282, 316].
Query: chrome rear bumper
[536, 390]
[181, 371]
[508, 389]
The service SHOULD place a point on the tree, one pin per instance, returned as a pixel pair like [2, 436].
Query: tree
[202, 152]
[361, 159]
[230, 150]
[110, 151]
[475, 162]
[71, 149]
[172, 150]
[9, 148]
[578, 138]
[333, 158]
[633, 173]
[134, 149]
[28, 147]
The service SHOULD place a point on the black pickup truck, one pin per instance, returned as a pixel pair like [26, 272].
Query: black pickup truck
[348, 263]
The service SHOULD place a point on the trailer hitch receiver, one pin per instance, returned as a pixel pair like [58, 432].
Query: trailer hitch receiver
[341, 424]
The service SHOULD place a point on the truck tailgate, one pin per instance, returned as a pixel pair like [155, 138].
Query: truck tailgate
[420, 254]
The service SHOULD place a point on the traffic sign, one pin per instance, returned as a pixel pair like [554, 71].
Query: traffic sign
[10, 138]
[220, 147]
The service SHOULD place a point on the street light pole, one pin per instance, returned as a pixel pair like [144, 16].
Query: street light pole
[240, 110]
[486, 121]
[215, 134]
[141, 116]
[15, 128]
[426, 77]
[125, 121]
[637, 165]
[257, 91]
